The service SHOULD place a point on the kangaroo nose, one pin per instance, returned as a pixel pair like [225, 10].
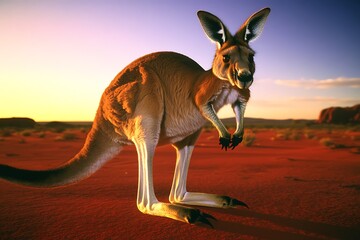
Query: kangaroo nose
[245, 77]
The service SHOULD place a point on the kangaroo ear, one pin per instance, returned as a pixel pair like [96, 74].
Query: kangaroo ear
[253, 26]
[215, 30]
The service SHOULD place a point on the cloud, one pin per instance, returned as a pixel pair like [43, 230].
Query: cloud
[321, 84]
[308, 101]
[332, 100]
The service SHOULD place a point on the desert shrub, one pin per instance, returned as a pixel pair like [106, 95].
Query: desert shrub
[66, 136]
[280, 136]
[287, 134]
[6, 133]
[295, 135]
[26, 133]
[58, 130]
[248, 139]
[22, 141]
[283, 134]
[327, 142]
[309, 135]
[41, 134]
[84, 130]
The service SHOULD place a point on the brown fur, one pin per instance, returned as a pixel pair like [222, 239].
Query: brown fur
[206, 88]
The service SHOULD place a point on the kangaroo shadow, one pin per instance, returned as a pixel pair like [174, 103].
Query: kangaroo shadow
[303, 229]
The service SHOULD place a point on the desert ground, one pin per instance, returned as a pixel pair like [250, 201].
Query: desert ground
[298, 183]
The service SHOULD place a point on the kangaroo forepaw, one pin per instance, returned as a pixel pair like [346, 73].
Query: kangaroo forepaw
[235, 141]
[224, 142]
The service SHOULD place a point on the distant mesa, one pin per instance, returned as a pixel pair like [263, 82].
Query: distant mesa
[17, 123]
[340, 115]
[56, 124]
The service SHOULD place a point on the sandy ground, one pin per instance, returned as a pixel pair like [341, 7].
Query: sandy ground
[296, 189]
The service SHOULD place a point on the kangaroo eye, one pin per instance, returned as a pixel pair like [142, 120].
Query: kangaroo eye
[226, 58]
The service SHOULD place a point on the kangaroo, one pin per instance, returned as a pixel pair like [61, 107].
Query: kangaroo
[165, 98]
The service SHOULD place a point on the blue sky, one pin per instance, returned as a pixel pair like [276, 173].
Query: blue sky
[57, 57]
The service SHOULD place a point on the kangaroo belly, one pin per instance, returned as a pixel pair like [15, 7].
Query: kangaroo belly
[180, 123]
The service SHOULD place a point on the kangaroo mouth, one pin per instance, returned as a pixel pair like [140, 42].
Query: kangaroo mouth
[240, 79]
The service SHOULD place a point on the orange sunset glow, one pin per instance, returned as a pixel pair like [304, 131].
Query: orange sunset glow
[57, 57]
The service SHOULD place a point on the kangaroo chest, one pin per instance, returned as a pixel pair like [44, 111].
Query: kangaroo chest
[226, 96]
[181, 122]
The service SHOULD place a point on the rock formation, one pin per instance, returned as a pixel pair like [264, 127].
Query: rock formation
[340, 115]
[17, 123]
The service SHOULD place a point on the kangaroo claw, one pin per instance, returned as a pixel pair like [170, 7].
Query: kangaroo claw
[197, 217]
[234, 203]
[209, 216]
[228, 202]
[204, 218]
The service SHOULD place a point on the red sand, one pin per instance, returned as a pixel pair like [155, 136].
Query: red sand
[296, 189]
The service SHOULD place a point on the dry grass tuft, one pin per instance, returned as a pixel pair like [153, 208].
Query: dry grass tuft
[41, 135]
[249, 138]
[287, 134]
[66, 136]
[329, 143]
[309, 135]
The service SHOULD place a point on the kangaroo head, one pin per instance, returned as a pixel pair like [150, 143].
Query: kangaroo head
[234, 59]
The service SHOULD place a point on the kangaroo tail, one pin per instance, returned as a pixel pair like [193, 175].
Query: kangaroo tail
[97, 150]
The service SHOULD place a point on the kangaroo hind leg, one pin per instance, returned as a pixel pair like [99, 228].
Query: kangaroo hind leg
[180, 195]
[146, 200]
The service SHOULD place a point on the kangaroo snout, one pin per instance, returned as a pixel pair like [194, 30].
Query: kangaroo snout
[244, 79]
[244, 76]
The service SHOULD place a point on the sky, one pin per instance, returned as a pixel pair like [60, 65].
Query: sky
[57, 57]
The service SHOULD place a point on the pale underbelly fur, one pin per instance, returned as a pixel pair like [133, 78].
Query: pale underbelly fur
[177, 125]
